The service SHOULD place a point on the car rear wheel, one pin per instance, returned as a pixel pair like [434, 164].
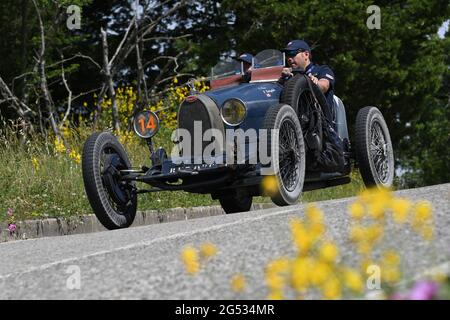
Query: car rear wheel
[114, 201]
[374, 152]
[286, 148]
[236, 203]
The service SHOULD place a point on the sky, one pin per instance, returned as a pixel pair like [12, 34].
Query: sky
[443, 29]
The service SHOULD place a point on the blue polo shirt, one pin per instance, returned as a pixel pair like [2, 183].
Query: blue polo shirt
[323, 72]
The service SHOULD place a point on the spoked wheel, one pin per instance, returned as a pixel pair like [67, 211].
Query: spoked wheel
[114, 201]
[235, 203]
[374, 151]
[289, 155]
[287, 152]
[297, 93]
[300, 95]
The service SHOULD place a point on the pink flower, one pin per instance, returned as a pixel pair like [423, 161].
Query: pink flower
[12, 227]
[10, 212]
[423, 290]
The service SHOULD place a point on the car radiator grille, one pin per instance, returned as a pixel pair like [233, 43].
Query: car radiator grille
[189, 113]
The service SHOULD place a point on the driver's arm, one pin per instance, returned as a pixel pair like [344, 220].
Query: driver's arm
[323, 84]
[324, 79]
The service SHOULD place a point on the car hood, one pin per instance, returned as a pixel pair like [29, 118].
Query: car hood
[250, 93]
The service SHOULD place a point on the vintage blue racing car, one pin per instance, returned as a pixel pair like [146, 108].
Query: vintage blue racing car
[248, 129]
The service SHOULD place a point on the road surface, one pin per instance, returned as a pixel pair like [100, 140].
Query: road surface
[144, 262]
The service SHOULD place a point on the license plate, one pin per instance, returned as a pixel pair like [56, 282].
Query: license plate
[192, 167]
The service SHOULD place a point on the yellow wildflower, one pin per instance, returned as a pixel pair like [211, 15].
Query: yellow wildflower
[75, 156]
[374, 233]
[439, 277]
[189, 256]
[365, 264]
[390, 258]
[390, 274]
[35, 163]
[316, 231]
[400, 208]
[302, 238]
[59, 146]
[278, 265]
[300, 274]
[208, 250]
[275, 273]
[313, 214]
[331, 290]
[376, 209]
[319, 273]
[357, 233]
[364, 248]
[275, 281]
[422, 212]
[238, 283]
[356, 210]
[328, 252]
[353, 280]
[275, 295]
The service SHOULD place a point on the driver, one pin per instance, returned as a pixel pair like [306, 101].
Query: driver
[298, 55]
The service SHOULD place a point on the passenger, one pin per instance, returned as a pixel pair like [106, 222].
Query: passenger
[247, 60]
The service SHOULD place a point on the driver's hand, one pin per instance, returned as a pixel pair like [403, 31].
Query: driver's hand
[314, 79]
[287, 72]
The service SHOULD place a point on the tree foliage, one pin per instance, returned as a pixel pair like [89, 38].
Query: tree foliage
[402, 68]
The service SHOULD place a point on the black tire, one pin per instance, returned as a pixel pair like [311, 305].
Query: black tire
[114, 209]
[288, 166]
[297, 93]
[236, 203]
[374, 152]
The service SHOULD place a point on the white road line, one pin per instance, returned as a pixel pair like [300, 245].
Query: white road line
[146, 243]
[174, 236]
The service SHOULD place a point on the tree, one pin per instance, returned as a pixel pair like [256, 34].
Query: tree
[397, 68]
[426, 151]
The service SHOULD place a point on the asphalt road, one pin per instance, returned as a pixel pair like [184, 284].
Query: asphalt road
[144, 262]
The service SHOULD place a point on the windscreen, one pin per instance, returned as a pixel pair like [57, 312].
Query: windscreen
[224, 69]
[268, 58]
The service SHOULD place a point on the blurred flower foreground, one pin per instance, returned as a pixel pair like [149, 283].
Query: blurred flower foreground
[317, 269]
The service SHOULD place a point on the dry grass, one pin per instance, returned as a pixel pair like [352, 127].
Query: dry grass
[39, 182]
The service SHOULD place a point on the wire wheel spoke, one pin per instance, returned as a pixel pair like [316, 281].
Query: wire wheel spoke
[289, 156]
[379, 151]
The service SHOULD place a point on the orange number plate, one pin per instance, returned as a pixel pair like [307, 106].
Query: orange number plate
[146, 124]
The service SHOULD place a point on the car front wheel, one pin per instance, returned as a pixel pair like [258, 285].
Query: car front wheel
[286, 147]
[114, 201]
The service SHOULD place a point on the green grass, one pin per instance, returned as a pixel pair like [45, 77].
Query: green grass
[56, 188]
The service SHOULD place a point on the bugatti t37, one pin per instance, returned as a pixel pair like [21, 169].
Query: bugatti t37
[246, 130]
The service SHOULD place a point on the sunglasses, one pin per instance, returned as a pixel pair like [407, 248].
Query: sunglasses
[292, 53]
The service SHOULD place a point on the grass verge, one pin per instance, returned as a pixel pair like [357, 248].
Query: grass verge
[37, 181]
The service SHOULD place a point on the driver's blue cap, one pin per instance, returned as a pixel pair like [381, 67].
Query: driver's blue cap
[246, 57]
[296, 45]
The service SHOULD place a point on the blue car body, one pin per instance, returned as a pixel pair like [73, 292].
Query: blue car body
[258, 97]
